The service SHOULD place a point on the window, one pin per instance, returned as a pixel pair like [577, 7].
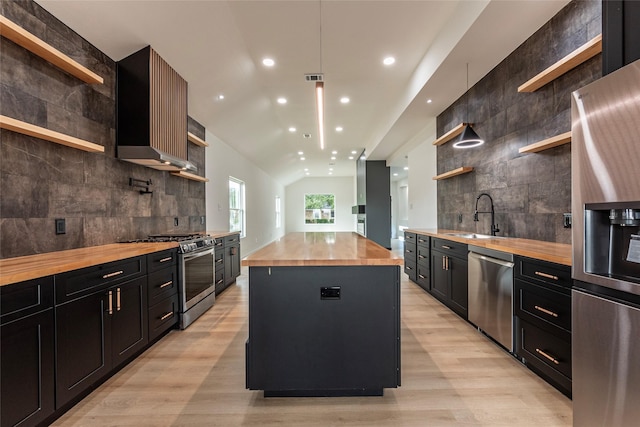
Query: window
[319, 208]
[237, 220]
[278, 217]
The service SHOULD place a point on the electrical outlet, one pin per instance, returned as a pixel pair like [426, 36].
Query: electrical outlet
[566, 220]
[459, 217]
[175, 222]
[201, 220]
[61, 227]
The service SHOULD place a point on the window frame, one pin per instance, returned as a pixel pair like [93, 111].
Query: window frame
[242, 209]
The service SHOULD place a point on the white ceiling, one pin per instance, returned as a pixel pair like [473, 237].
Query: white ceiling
[218, 47]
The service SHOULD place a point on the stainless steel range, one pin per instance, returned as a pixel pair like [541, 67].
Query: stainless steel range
[196, 270]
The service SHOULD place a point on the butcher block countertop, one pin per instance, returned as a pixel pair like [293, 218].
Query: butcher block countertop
[322, 249]
[18, 269]
[559, 253]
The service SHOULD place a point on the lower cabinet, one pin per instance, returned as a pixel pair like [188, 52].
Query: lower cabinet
[449, 270]
[230, 261]
[96, 333]
[162, 283]
[27, 364]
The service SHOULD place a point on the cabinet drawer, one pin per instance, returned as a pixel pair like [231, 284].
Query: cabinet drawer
[162, 284]
[423, 240]
[218, 260]
[423, 277]
[449, 247]
[230, 240]
[163, 316]
[77, 283]
[409, 238]
[219, 280]
[544, 350]
[422, 256]
[544, 272]
[539, 304]
[160, 260]
[410, 252]
[410, 269]
[22, 299]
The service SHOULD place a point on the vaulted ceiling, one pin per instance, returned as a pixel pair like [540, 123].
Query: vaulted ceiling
[219, 46]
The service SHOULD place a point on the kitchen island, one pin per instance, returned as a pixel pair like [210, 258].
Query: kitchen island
[324, 316]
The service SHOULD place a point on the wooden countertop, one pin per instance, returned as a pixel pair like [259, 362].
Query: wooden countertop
[220, 234]
[18, 269]
[322, 249]
[559, 253]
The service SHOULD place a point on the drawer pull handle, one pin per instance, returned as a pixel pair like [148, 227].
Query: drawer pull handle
[547, 356]
[219, 281]
[115, 273]
[408, 250]
[118, 299]
[548, 276]
[164, 285]
[218, 261]
[421, 256]
[408, 268]
[446, 247]
[421, 276]
[545, 311]
[166, 259]
[166, 316]
[110, 302]
[421, 240]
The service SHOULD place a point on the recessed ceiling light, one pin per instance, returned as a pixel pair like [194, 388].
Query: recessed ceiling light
[300, 153]
[220, 97]
[406, 168]
[338, 128]
[330, 173]
[307, 173]
[306, 169]
[282, 100]
[429, 101]
[345, 100]
[395, 174]
[292, 129]
[333, 157]
[268, 62]
[302, 158]
[350, 157]
[389, 60]
[334, 152]
[331, 169]
[354, 152]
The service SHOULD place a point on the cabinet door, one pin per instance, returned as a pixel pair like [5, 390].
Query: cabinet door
[439, 277]
[83, 334]
[231, 263]
[26, 367]
[235, 263]
[129, 319]
[459, 286]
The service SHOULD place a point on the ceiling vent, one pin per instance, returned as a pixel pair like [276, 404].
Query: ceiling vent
[306, 135]
[314, 77]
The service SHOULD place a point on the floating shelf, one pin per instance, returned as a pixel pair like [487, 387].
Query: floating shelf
[545, 144]
[569, 62]
[450, 135]
[455, 172]
[49, 135]
[190, 176]
[47, 52]
[196, 140]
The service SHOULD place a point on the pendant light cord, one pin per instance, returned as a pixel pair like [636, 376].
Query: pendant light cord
[320, 27]
[467, 93]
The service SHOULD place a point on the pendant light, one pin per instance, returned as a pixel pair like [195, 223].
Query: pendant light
[320, 88]
[469, 138]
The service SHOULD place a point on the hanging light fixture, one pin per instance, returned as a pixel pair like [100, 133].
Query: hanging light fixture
[320, 87]
[469, 138]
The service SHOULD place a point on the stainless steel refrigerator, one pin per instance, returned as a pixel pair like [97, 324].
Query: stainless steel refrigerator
[605, 162]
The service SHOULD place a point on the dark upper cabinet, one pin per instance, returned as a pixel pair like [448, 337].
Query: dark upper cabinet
[374, 191]
[620, 34]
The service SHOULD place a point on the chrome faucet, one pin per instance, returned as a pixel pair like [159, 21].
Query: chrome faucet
[494, 226]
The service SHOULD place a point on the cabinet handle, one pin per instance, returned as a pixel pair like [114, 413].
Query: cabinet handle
[446, 247]
[421, 240]
[115, 273]
[545, 311]
[548, 276]
[218, 261]
[219, 281]
[118, 299]
[547, 356]
[164, 285]
[166, 316]
[234, 251]
[421, 256]
[443, 267]
[408, 250]
[447, 263]
[166, 259]
[110, 302]
[406, 267]
[421, 276]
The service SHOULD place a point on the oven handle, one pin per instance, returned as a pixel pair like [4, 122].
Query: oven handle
[191, 256]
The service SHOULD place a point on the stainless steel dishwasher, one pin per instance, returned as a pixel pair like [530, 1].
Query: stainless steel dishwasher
[491, 293]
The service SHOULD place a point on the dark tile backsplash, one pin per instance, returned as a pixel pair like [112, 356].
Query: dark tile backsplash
[41, 180]
[530, 191]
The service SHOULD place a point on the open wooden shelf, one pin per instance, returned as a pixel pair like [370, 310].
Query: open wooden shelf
[196, 140]
[569, 62]
[545, 144]
[192, 176]
[49, 135]
[450, 135]
[455, 172]
[47, 52]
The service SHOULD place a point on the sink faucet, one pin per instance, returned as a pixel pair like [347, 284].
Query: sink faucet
[494, 226]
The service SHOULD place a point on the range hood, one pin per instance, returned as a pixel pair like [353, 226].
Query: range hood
[151, 113]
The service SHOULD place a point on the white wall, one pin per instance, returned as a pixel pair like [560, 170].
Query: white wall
[261, 190]
[423, 190]
[341, 187]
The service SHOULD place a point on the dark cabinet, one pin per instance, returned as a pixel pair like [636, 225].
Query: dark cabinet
[374, 191]
[27, 343]
[423, 262]
[229, 257]
[449, 270]
[410, 249]
[162, 283]
[542, 308]
[101, 328]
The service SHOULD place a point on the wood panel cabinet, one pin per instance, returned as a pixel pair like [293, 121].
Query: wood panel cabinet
[27, 341]
[449, 270]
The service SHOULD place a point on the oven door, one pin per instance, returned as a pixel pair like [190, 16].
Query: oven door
[198, 271]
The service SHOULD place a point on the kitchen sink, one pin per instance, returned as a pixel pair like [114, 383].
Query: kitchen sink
[471, 235]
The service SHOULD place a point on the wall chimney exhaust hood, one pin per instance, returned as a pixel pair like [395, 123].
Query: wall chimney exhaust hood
[151, 113]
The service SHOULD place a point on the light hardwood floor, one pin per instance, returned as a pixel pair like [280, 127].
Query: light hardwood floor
[451, 375]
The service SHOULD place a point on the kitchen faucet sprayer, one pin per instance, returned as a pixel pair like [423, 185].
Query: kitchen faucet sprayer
[494, 226]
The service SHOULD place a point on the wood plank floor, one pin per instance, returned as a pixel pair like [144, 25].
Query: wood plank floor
[451, 375]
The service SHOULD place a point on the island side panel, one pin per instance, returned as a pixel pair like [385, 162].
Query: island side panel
[302, 344]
